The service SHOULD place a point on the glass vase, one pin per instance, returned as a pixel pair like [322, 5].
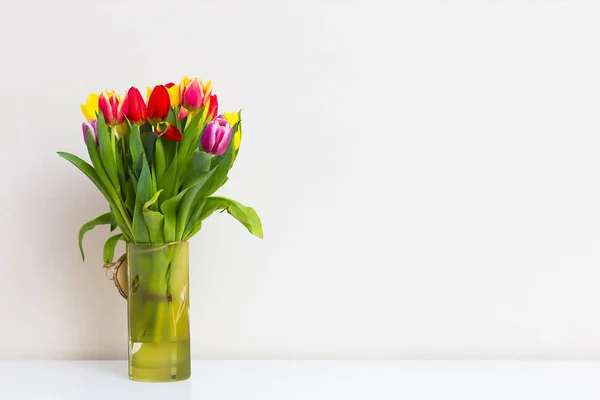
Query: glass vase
[158, 312]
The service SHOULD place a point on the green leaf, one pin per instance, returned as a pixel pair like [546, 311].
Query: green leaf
[87, 169]
[155, 222]
[135, 143]
[120, 166]
[148, 139]
[191, 231]
[197, 206]
[152, 200]
[92, 174]
[159, 159]
[246, 215]
[134, 181]
[188, 144]
[104, 219]
[106, 152]
[169, 210]
[143, 194]
[221, 167]
[186, 204]
[170, 148]
[172, 116]
[113, 199]
[109, 247]
[130, 195]
[168, 182]
[199, 166]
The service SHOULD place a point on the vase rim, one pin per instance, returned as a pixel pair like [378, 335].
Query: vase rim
[156, 245]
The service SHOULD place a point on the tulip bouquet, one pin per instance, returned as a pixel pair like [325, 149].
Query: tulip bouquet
[159, 164]
[158, 161]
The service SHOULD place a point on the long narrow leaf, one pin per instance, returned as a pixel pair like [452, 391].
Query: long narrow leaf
[113, 198]
[155, 222]
[246, 215]
[135, 143]
[169, 210]
[104, 219]
[185, 208]
[144, 193]
[106, 152]
[109, 247]
[159, 159]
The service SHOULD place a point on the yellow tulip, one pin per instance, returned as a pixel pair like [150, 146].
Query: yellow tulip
[123, 129]
[233, 118]
[173, 94]
[90, 107]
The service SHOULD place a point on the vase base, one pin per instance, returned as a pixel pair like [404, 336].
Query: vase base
[160, 362]
[155, 375]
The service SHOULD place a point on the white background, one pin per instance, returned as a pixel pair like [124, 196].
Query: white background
[426, 173]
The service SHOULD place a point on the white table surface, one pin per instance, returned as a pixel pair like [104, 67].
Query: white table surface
[314, 380]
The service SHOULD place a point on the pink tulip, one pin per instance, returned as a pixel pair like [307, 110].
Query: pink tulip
[193, 94]
[182, 113]
[216, 136]
[93, 127]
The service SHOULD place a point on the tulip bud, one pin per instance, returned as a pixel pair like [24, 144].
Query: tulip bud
[168, 131]
[93, 127]
[109, 104]
[159, 105]
[193, 94]
[134, 107]
[216, 136]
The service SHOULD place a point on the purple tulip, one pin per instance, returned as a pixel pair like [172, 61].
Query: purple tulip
[93, 127]
[216, 136]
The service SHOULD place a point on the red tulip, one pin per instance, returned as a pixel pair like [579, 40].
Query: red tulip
[213, 107]
[169, 131]
[159, 105]
[134, 107]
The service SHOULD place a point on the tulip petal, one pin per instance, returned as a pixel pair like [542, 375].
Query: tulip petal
[208, 137]
[173, 95]
[171, 133]
[90, 107]
[158, 105]
[192, 96]
[223, 143]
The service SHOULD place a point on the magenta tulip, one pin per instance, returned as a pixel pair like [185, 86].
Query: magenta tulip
[109, 104]
[93, 127]
[216, 136]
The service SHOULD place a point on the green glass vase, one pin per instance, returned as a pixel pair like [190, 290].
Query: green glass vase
[158, 312]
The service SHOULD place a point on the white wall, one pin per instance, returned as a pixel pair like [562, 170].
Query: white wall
[427, 174]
